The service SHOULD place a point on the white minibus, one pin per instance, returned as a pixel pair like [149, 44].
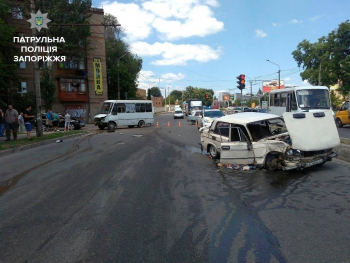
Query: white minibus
[117, 113]
[299, 99]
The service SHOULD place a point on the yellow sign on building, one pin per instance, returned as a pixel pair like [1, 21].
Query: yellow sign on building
[98, 76]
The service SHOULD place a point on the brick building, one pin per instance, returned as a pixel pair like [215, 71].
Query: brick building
[81, 84]
[157, 101]
[141, 93]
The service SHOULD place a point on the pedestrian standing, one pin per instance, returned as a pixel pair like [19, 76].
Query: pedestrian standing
[28, 117]
[49, 119]
[55, 121]
[21, 127]
[66, 121]
[11, 118]
[2, 123]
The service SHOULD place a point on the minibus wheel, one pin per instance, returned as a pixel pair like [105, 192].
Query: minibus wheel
[111, 126]
[141, 124]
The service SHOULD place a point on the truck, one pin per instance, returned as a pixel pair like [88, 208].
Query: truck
[193, 104]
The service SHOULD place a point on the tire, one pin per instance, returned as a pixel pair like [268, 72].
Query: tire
[141, 124]
[101, 127]
[193, 122]
[71, 127]
[111, 126]
[338, 123]
[213, 152]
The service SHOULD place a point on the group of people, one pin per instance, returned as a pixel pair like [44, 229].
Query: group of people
[23, 122]
[11, 120]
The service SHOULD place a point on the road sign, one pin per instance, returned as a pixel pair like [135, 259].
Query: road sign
[243, 101]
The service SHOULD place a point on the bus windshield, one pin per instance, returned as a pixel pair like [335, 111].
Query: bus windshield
[313, 99]
[106, 108]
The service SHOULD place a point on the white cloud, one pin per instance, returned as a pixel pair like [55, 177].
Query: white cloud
[287, 79]
[295, 21]
[274, 24]
[306, 81]
[135, 21]
[176, 54]
[260, 33]
[170, 77]
[314, 18]
[172, 19]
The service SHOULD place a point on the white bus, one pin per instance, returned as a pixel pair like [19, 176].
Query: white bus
[117, 113]
[299, 99]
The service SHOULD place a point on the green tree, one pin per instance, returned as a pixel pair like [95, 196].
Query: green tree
[177, 94]
[117, 52]
[47, 87]
[8, 76]
[149, 94]
[328, 56]
[155, 92]
[199, 93]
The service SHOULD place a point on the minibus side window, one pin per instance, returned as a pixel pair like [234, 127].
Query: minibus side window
[148, 107]
[121, 107]
[271, 99]
[115, 109]
[276, 99]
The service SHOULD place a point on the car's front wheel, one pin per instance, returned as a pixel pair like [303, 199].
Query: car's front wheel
[213, 152]
[141, 124]
[338, 123]
[71, 126]
[101, 127]
[112, 126]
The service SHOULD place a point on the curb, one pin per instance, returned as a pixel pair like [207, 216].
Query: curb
[343, 152]
[38, 144]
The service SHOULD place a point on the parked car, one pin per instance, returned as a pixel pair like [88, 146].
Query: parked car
[193, 117]
[257, 110]
[342, 116]
[74, 124]
[178, 114]
[272, 142]
[208, 117]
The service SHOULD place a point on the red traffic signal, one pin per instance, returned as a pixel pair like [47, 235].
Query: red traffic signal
[241, 81]
[206, 96]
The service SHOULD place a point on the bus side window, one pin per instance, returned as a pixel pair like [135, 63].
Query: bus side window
[271, 99]
[276, 99]
[148, 107]
[294, 102]
[283, 99]
[115, 109]
[121, 108]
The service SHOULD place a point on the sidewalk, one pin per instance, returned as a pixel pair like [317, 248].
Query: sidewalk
[87, 127]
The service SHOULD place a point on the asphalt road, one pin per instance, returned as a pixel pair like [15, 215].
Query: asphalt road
[150, 195]
[344, 132]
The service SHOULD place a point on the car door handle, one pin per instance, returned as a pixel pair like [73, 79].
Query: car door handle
[213, 137]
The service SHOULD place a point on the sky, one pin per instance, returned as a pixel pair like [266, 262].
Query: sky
[208, 43]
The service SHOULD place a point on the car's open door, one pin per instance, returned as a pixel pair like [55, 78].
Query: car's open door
[238, 150]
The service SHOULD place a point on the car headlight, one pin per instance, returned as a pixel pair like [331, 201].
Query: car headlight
[289, 152]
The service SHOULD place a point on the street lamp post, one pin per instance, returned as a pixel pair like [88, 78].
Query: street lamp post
[169, 96]
[118, 74]
[279, 73]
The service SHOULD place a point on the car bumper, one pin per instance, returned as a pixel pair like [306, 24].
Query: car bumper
[301, 165]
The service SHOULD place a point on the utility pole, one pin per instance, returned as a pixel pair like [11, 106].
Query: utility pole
[39, 124]
[251, 92]
[319, 75]
[118, 74]
[169, 96]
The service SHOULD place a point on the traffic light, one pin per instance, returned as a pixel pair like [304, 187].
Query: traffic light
[241, 81]
[206, 96]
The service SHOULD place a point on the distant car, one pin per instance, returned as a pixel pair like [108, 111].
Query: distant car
[74, 124]
[193, 117]
[208, 117]
[178, 114]
[257, 110]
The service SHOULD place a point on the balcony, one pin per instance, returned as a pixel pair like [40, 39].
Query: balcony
[73, 96]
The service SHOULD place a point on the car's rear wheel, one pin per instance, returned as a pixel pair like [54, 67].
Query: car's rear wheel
[213, 152]
[71, 126]
[141, 124]
[338, 123]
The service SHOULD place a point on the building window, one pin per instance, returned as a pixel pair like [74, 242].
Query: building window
[22, 87]
[72, 63]
[17, 13]
[74, 85]
[22, 64]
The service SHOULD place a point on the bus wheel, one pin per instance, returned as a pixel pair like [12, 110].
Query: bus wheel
[338, 123]
[111, 126]
[141, 124]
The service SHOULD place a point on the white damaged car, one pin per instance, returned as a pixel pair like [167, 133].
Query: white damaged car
[298, 141]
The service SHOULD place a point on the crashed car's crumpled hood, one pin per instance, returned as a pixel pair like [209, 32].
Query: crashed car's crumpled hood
[99, 116]
[312, 131]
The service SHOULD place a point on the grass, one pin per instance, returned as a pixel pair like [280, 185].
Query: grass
[345, 141]
[22, 142]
